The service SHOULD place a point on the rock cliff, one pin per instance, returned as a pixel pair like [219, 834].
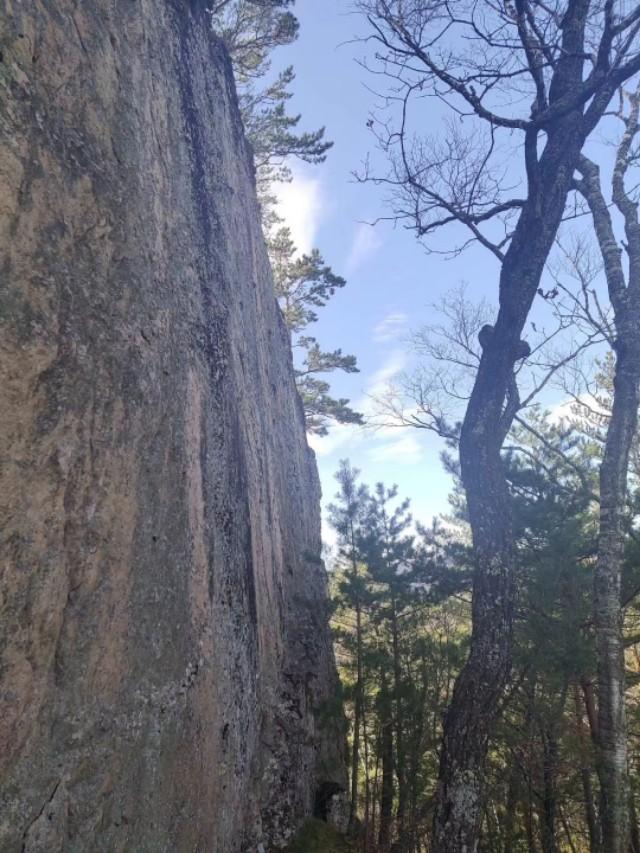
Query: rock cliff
[165, 666]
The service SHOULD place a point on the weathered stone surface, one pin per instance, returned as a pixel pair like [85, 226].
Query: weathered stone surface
[163, 642]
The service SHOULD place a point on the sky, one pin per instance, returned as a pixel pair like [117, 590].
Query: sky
[392, 282]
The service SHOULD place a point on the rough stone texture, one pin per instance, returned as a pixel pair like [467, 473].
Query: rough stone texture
[164, 657]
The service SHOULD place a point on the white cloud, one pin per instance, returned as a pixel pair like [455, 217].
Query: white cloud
[300, 203]
[395, 364]
[341, 437]
[406, 450]
[569, 408]
[346, 437]
[390, 328]
[366, 242]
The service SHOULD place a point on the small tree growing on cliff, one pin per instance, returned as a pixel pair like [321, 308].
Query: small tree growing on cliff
[251, 30]
[303, 285]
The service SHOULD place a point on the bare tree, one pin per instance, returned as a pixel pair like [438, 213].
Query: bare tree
[624, 294]
[484, 60]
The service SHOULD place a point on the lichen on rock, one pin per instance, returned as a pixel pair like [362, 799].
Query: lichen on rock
[163, 633]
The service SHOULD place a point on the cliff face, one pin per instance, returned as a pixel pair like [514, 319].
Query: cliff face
[164, 657]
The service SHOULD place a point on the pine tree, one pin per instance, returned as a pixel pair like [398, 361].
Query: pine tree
[304, 283]
[346, 516]
[251, 30]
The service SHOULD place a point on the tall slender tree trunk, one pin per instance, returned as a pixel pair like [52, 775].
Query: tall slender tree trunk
[510, 816]
[634, 832]
[607, 608]
[417, 751]
[400, 845]
[585, 777]
[549, 796]
[357, 720]
[367, 780]
[386, 788]
[612, 729]
[359, 692]
[375, 797]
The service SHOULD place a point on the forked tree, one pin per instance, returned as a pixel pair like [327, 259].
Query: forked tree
[528, 79]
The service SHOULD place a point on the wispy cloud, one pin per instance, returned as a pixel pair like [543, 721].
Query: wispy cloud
[390, 327]
[570, 408]
[395, 363]
[300, 203]
[347, 437]
[405, 450]
[343, 437]
[366, 242]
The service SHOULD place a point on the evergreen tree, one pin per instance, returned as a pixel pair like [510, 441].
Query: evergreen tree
[304, 283]
[346, 516]
[251, 30]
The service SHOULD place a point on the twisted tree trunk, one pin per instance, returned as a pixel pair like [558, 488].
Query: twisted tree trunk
[472, 713]
[471, 717]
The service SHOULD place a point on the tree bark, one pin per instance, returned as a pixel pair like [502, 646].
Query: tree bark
[386, 788]
[510, 817]
[549, 801]
[400, 844]
[357, 718]
[611, 732]
[471, 717]
[472, 713]
[359, 693]
[585, 776]
[634, 833]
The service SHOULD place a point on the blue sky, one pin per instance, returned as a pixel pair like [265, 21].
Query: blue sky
[392, 281]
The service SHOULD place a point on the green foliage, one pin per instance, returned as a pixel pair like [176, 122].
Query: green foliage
[303, 282]
[412, 584]
[251, 30]
[303, 285]
[320, 408]
[317, 837]
[409, 646]
[272, 132]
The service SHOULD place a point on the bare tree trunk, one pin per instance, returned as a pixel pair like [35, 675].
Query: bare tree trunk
[471, 717]
[417, 750]
[510, 817]
[625, 299]
[357, 710]
[386, 789]
[612, 729]
[585, 775]
[567, 831]
[357, 719]
[634, 833]
[373, 829]
[367, 780]
[549, 801]
[401, 773]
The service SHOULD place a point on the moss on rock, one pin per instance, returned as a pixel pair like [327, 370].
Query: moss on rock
[318, 837]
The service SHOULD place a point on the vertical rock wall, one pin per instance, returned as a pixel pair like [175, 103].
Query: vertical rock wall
[164, 657]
